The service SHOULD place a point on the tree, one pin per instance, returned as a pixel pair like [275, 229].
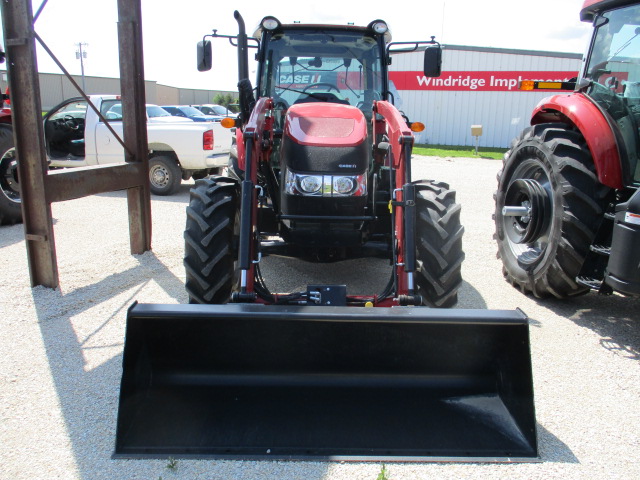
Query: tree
[226, 100]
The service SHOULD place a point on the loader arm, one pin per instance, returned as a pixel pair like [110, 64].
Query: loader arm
[403, 197]
[258, 139]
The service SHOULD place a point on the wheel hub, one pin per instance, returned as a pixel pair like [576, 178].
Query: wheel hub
[159, 176]
[9, 185]
[526, 203]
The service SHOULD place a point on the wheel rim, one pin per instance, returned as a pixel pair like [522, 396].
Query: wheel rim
[159, 176]
[527, 234]
[9, 184]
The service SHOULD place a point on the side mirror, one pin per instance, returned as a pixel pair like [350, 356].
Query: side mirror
[204, 56]
[433, 61]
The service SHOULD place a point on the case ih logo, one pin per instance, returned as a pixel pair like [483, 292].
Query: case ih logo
[474, 81]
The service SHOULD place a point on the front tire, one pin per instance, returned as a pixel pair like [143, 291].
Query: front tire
[549, 170]
[164, 175]
[10, 202]
[210, 241]
[438, 245]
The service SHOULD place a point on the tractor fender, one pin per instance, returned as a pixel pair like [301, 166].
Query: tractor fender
[579, 111]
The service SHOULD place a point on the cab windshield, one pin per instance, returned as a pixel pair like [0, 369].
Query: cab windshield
[322, 66]
[614, 71]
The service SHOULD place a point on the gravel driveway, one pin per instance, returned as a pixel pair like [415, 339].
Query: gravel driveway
[61, 350]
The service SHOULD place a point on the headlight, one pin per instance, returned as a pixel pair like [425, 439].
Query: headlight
[309, 183]
[270, 23]
[325, 185]
[343, 185]
[379, 26]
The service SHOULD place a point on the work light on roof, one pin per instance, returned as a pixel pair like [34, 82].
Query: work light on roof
[379, 27]
[270, 23]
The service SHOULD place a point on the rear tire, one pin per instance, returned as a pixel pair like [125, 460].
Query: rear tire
[10, 202]
[164, 175]
[556, 158]
[438, 245]
[210, 237]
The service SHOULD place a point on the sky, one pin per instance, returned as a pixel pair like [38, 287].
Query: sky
[171, 30]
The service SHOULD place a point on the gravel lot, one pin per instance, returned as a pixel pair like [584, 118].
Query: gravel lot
[61, 350]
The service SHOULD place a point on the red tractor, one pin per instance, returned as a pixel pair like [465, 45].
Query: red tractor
[322, 169]
[568, 200]
[10, 207]
[330, 157]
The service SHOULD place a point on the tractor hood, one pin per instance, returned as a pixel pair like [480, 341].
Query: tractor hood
[322, 124]
[325, 137]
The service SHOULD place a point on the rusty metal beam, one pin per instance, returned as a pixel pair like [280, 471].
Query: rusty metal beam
[22, 65]
[134, 118]
[40, 188]
[61, 185]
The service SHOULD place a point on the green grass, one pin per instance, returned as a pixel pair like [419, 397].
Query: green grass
[453, 151]
[172, 464]
[383, 473]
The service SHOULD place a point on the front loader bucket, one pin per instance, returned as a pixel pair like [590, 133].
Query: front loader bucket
[332, 383]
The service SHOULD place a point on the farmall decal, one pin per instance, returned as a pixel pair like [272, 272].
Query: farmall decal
[475, 81]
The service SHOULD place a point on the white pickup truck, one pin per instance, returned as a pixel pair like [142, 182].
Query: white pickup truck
[76, 137]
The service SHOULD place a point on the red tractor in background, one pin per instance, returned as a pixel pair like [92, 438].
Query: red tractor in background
[568, 200]
[10, 207]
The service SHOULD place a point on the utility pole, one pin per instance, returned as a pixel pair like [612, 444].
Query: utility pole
[81, 54]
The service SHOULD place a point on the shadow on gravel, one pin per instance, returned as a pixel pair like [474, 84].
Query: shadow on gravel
[10, 234]
[613, 317]
[552, 449]
[181, 196]
[88, 389]
[469, 297]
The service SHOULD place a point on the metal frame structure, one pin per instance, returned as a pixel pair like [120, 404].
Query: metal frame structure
[40, 187]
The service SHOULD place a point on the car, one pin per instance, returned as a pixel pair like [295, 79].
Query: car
[192, 113]
[211, 109]
[155, 114]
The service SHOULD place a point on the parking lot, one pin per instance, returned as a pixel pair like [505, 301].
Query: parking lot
[61, 349]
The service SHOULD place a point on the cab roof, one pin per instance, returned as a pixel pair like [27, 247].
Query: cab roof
[315, 26]
[590, 8]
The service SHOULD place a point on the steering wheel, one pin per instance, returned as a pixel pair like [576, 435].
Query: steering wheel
[70, 122]
[330, 86]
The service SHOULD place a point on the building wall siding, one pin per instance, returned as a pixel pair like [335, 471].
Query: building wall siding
[448, 115]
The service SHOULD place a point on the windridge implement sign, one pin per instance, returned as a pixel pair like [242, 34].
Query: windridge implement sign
[475, 81]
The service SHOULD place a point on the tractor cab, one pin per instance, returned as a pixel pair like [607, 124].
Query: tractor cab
[611, 76]
[342, 66]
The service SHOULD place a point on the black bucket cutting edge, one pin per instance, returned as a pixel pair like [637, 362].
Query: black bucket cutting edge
[256, 382]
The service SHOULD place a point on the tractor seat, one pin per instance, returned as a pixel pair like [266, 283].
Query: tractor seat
[76, 147]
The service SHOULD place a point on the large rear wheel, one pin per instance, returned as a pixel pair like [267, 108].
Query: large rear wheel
[549, 204]
[10, 204]
[210, 241]
[439, 244]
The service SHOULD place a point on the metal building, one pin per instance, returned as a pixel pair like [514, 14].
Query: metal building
[55, 87]
[478, 86]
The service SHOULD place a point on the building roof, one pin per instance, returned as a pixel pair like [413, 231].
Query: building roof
[513, 51]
